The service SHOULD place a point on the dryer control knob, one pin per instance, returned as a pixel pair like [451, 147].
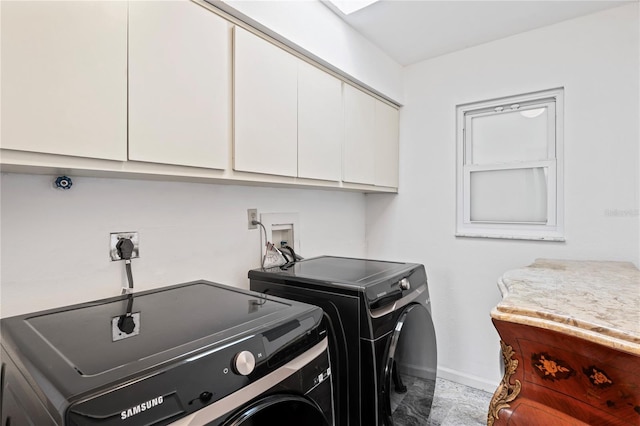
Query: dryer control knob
[405, 284]
[243, 363]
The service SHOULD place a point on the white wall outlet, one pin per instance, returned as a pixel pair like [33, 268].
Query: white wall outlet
[252, 214]
[115, 236]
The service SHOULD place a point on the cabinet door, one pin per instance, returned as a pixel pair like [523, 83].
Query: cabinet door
[64, 77]
[179, 84]
[320, 124]
[359, 142]
[386, 145]
[265, 107]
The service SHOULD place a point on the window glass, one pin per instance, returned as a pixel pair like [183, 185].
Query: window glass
[519, 135]
[510, 195]
[510, 167]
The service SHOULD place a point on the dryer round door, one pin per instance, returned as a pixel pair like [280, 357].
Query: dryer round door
[409, 375]
[281, 410]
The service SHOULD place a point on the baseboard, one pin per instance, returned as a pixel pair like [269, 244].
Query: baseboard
[467, 379]
[418, 371]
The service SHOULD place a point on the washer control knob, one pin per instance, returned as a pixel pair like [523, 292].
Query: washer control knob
[243, 363]
[404, 284]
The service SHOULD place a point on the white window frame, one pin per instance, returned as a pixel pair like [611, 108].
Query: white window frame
[553, 229]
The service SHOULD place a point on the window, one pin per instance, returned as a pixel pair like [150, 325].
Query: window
[509, 167]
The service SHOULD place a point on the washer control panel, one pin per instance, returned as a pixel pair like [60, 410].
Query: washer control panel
[182, 388]
[388, 291]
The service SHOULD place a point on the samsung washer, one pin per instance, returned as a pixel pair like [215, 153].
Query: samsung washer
[382, 338]
[191, 354]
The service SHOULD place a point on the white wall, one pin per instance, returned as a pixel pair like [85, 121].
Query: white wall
[55, 244]
[595, 58]
[315, 28]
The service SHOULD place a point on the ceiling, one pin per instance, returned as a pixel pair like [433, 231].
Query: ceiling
[411, 31]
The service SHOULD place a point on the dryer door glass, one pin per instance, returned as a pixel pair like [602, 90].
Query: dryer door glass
[410, 370]
[281, 410]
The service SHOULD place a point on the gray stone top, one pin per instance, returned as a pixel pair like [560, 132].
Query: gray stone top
[595, 300]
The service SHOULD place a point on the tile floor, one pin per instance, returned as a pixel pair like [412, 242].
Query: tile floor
[458, 405]
[453, 404]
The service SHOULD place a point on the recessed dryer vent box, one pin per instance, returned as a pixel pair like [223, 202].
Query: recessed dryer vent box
[282, 229]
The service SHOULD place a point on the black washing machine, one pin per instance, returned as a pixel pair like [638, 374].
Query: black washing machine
[382, 340]
[193, 354]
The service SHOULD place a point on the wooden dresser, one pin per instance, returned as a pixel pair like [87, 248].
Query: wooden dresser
[570, 338]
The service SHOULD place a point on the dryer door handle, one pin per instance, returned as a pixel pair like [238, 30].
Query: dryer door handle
[386, 300]
[379, 312]
[237, 399]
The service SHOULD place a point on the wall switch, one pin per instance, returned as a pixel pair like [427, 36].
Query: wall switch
[252, 214]
[116, 236]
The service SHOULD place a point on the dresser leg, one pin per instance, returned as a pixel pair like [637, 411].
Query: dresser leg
[506, 391]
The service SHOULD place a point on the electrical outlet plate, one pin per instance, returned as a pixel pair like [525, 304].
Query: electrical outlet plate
[252, 214]
[115, 236]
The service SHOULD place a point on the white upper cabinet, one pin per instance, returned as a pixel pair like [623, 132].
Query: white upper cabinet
[64, 77]
[148, 87]
[386, 145]
[320, 124]
[359, 158]
[265, 107]
[179, 84]
[371, 140]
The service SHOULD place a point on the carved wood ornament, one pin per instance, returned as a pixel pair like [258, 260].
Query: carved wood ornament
[506, 391]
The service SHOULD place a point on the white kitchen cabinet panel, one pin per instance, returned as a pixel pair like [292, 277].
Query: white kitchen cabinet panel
[179, 84]
[320, 124]
[64, 77]
[386, 145]
[265, 106]
[359, 143]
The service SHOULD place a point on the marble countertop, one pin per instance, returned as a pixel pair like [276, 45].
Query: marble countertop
[595, 300]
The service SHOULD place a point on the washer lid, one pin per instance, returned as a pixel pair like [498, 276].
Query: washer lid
[167, 320]
[379, 281]
[75, 349]
[359, 273]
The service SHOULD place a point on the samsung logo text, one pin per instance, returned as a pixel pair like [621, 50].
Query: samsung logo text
[141, 407]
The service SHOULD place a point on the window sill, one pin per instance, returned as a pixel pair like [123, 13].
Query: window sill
[552, 238]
